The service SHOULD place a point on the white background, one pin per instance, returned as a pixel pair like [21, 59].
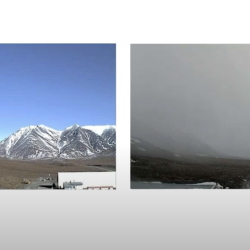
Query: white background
[124, 219]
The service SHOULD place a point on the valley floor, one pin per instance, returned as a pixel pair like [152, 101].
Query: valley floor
[159, 185]
[13, 172]
[232, 173]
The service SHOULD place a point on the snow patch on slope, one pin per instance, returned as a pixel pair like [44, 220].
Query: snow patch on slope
[134, 141]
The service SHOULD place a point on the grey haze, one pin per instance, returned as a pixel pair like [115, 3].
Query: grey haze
[201, 90]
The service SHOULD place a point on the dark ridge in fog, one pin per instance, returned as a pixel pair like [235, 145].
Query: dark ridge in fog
[200, 90]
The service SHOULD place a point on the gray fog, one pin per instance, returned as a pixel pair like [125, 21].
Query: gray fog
[202, 90]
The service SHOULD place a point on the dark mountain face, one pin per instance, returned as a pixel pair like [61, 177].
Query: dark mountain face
[172, 140]
[37, 142]
[2, 150]
[140, 147]
[81, 142]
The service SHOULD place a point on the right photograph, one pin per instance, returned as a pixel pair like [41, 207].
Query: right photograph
[190, 116]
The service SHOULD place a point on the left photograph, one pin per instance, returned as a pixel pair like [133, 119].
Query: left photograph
[58, 116]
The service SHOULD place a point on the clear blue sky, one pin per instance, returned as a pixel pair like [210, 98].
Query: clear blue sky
[56, 85]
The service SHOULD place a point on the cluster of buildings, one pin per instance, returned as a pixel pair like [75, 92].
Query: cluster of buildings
[86, 180]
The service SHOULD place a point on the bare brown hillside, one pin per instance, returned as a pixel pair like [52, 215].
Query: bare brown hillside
[12, 172]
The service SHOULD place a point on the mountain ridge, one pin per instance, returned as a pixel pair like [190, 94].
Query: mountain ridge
[41, 142]
[171, 140]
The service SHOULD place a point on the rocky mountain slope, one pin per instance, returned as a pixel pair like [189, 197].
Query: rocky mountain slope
[41, 142]
[171, 140]
[140, 147]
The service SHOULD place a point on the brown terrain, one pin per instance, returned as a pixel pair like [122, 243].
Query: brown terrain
[13, 172]
[232, 173]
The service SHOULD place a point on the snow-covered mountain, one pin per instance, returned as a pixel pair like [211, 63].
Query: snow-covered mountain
[109, 136]
[40, 142]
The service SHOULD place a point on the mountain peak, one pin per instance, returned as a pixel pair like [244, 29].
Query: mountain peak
[40, 141]
[28, 127]
[75, 126]
[42, 126]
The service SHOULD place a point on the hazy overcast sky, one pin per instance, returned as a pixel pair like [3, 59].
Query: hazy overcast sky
[203, 90]
[57, 85]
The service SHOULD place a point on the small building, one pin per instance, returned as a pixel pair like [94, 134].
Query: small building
[87, 180]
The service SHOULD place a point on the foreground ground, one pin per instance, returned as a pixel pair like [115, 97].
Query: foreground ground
[12, 172]
[232, 173]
